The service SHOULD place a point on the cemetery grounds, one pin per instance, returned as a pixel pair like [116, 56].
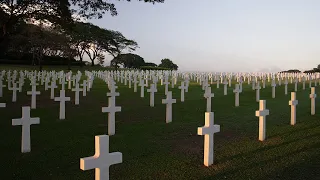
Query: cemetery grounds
[153, 149]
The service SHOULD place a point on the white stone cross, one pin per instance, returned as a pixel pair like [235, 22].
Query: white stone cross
[225, 87]
[14, 90]
[286, 86]
[113, 94]
[135, 82]
[77, 93]
[237, 91]
[1, 87]
[262, 113]
[111, 110]
[313, 97]
[25, 122]
[142, 85]
[208, 95]
[52, 87]
[102, 159]
[169, 101]
[183, 88]
[33, 94]
[258, 91]
[273, 84]
[84, 88]
[152, 90]
[63, 99]
[63, 83]
[293, 103]
[208, 131]
[296, 85]
[166, 85]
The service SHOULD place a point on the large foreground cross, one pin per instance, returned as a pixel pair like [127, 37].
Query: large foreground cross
[26, 121]
[102, 159]
[208, 131]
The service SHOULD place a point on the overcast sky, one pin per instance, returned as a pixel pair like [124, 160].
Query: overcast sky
[223, 35]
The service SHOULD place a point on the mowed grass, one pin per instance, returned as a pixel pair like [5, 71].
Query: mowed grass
[153, 149]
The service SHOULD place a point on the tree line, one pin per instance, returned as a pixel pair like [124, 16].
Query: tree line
[314, 70]
[39, 31]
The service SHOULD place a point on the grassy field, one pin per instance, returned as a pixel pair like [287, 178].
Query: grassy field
[153, 149]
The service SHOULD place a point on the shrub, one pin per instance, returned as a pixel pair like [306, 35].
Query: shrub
[153, 68]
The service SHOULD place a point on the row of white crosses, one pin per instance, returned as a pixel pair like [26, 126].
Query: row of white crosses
[208, 130]
[102, 159]
[263, 112]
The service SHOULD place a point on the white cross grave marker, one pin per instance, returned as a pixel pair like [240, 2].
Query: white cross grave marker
[208, 131]
[208, 95]
[273, 84]
[258, 91]
[52, 87]
[77, 91]
[102, 159]
[111, 110]
[183, 88]
[33, 94]
[25, 121]
[293, 103]
[169, 101]
[142, 85]
[14, 90]
[262, 113]
[152, 90]
[84, 88]
[237, 92]
[63, 99]
[313, 97]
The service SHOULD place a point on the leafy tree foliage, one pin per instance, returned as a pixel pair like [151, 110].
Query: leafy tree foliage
[167, 63]
[128, 61]
[150, 64]
[96, 8]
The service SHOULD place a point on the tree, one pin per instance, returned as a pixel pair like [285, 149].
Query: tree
[128, 61]
[150, 64]
[167, 63]
[96, 8]
[13, 11]
[52, 11]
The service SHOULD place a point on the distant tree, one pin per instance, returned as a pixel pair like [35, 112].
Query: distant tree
[128, 61]
[167, 63]
[150, 64]
[291, 71]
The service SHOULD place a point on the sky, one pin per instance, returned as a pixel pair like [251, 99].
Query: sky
[222, 35]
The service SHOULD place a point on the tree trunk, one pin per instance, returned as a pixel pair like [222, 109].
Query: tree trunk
[39, 60]
[92, 63]
[81, 62]
[69, 63]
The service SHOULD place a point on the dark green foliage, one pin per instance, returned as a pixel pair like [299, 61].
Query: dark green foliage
[153, 68]
[291, 71]
[27, 59]
[128, 61]
[167, 63]
[314, 70]
[150, 64]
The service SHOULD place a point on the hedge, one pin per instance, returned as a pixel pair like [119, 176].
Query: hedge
[153, 68]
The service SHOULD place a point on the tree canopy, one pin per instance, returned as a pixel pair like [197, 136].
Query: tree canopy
[167, 63]
[47, 28]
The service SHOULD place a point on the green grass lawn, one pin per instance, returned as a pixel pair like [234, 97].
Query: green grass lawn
[153, 149]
